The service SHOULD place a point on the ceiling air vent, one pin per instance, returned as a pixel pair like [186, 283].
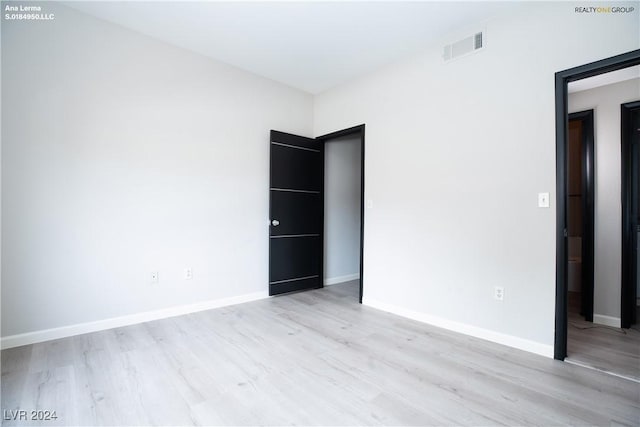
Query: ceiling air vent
[463, 47]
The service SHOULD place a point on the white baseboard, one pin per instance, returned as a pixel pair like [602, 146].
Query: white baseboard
[463, 328]
[601, 319]
[341, 279]
[116, 322]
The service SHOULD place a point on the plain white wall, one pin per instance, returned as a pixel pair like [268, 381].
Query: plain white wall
[605, 101]
[456, 154]
[122, 155]
[342, 209]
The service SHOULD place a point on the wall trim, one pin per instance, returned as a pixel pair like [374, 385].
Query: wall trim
[464, 328]
[132, 319]
[601, 319]
[341, 279]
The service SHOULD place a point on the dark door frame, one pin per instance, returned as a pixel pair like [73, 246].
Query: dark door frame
[628, 302]
[356, 130]
[588, 186]
[562, 78]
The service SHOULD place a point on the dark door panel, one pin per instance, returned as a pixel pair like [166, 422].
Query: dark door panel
[580, 201]
[630, 126]
[296, 213]
[284, 287]
[299, 257]
[296, 210]
[295, 168]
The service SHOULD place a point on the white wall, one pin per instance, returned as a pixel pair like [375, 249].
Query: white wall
[342, 209]
[605, 101]
[456, 154]
[122, 155]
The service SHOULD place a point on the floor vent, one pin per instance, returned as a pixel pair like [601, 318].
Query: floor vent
[463, 47]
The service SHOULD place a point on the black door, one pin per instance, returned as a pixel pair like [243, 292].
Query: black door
[630, 210]
[580, 202]
[296, 211]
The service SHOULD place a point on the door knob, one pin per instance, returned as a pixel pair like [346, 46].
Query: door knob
[275, 222]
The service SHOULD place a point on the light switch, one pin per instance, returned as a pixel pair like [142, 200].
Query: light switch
[543, 200]
[369, 203]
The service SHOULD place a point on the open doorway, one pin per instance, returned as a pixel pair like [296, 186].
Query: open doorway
[580, 214]
[630, 138]
[344, 211]
[297, 246]
[593, 336]
[342, 218]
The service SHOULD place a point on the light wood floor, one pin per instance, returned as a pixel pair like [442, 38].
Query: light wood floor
[608, 349]
[311, 358]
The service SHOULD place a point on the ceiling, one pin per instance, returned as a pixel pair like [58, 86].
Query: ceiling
[311, 46]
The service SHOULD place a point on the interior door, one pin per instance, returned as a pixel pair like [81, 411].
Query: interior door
[296, 211]
[630, 211]
[635, 209]
[580, 204]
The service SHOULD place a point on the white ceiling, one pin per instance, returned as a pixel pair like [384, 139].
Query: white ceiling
[308, 45]
[604, 79]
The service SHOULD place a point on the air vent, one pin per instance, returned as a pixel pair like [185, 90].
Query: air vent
[477, 42]
[463, 47]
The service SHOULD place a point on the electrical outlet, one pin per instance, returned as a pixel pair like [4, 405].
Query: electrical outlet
[154, 277]
[188, 274]
[498, 293]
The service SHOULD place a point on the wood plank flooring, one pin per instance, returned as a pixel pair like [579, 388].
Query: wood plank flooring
[311, 358]
[612, 350]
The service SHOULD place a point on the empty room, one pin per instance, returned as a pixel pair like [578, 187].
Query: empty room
[320, 213]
